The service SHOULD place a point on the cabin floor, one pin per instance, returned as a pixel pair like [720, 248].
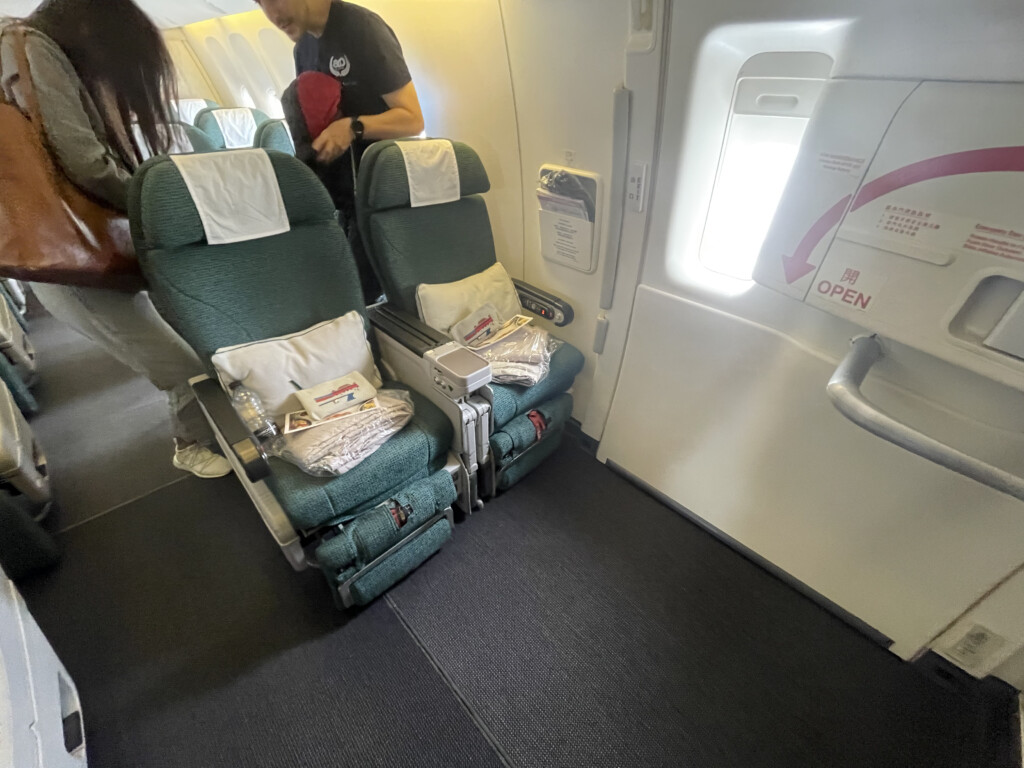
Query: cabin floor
[575, 621]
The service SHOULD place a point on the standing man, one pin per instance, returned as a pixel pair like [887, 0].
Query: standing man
[355, 46]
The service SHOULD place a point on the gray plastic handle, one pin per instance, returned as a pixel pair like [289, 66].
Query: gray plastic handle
[844, 390]
[617, 208]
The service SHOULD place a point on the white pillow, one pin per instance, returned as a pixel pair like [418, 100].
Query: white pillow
[326, 351]
[442, 305]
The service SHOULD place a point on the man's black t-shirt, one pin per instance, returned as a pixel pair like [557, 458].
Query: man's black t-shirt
[359, 49]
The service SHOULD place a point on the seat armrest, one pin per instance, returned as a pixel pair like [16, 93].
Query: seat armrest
[545, 304]
[408, 330]
[225, 418]
[440, 363]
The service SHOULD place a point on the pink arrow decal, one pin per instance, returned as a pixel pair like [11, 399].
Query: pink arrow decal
[993, 160]
[798, 265]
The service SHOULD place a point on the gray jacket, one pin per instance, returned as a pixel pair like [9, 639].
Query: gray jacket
[75, 130]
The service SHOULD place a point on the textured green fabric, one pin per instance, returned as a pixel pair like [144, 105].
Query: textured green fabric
[409, 558]
[375, 531]
[217, 296]
[231, 294]
[434, 244]
[273, 134]
[522, 466]
[24, 399]
[388, 185]
[440, 244]
[519, 433]
[420, 448]
[163, 215]
[207, 123]
[511, 400]
[200, 140]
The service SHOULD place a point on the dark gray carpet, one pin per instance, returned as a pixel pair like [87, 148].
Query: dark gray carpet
[194, 644]
[106, 430]
[589, 625]
[573, 622]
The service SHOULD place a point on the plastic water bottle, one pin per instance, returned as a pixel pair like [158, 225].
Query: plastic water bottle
[250, 408]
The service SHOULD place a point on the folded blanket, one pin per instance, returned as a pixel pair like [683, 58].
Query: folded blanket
[522, 358]
[337, 446]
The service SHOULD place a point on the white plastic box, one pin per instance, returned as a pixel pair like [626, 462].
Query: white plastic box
[40, 712]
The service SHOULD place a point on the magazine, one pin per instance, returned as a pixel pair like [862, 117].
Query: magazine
[300, 420]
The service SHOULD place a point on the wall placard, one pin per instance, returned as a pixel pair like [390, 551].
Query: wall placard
[568, 206]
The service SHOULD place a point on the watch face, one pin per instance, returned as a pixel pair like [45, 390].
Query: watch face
[357, 128]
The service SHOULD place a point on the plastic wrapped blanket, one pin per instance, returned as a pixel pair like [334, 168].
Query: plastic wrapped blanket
[522, 358]
[336, 447]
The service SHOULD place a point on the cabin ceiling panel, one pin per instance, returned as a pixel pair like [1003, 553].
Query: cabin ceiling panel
[166, 13]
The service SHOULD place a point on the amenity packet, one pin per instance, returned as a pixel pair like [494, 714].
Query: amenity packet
[336, 395]
[300, 420]
[485, 326]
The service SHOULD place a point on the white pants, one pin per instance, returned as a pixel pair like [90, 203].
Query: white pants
[128, 327]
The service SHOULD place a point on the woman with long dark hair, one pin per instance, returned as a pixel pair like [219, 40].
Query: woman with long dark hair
[96, 67]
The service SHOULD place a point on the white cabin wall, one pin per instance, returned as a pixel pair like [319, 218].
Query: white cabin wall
[744, 436]
[566, 58]
[193, 81]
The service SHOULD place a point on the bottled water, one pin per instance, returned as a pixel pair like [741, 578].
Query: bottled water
[250, 408]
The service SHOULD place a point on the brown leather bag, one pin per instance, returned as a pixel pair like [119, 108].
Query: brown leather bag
[50, 230]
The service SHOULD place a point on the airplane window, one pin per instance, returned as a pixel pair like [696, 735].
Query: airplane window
[256, 75]
[278, 50]
[191, 83]
[229, 72]
[245, 98]
[766, 124]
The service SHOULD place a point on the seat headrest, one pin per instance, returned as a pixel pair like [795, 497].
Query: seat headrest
[164, 216]
[383, 167]
[200, 141]
[230, 128]
[274, 134]
[186, 110]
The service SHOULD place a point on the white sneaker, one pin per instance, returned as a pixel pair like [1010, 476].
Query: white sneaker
[201, 461]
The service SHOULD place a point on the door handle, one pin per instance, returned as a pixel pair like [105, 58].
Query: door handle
[844, 391]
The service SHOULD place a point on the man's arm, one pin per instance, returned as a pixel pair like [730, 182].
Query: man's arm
[403, 118]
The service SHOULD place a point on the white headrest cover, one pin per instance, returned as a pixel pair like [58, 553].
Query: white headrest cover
[187, 109]
[236, 194]
[432, 170]
[238, 127]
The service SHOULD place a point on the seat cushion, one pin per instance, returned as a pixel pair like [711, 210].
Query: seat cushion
[511, 400]
[442, 305]
[418, 450]
[312, 356]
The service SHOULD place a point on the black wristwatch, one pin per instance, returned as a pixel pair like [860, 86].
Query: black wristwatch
[357, 129]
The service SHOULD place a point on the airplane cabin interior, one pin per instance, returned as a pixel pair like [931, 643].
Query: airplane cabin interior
[659, 403]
